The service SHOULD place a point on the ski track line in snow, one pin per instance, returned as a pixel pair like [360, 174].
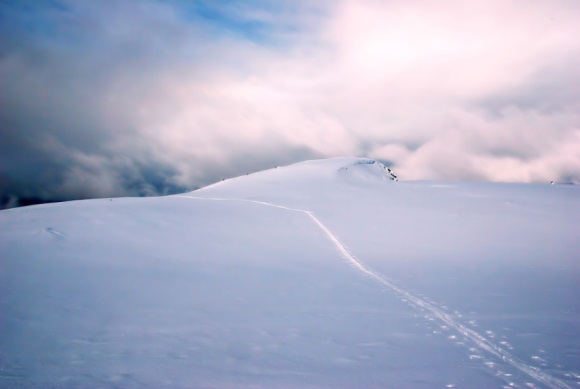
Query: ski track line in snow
[481, 341]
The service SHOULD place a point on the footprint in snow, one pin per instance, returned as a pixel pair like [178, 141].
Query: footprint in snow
[54, 232]
[541, 361]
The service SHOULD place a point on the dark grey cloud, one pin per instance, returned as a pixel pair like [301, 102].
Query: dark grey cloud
[125, 98]
[61, 66]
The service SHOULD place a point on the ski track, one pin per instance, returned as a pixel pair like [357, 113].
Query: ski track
[481, 341]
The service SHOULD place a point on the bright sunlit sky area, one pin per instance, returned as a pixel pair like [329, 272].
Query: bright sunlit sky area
[103, 98]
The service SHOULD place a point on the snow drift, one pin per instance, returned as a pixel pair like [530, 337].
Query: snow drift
[320, 274]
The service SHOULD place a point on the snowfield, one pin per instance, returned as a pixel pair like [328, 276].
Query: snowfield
[320, 274]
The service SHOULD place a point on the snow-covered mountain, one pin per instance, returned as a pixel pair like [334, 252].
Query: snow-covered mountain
[320, 274]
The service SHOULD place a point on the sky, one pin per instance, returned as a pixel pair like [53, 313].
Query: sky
[107, 98]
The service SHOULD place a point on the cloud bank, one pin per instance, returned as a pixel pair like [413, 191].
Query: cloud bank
[123, 98]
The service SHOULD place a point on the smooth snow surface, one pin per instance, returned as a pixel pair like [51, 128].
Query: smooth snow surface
[320, 274]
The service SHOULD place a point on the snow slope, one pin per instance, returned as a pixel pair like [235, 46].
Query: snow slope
[319, 274]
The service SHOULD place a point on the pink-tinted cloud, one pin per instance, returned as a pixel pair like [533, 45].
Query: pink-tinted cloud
[169, 99]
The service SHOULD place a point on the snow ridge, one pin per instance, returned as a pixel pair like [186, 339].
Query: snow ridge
[378, 169]
[481, 341]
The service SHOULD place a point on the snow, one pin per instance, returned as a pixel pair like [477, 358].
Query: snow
[320, 274]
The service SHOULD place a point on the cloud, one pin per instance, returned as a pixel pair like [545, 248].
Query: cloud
[114, 98]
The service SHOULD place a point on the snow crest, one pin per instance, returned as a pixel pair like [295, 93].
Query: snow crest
[367, 169]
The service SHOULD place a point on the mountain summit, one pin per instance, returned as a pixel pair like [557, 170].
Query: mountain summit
[320, 274]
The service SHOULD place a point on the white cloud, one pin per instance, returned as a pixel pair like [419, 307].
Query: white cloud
[447, 90]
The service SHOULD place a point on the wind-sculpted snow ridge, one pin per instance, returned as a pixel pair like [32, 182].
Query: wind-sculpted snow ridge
[420, 303]
[371, 168]
[298, 178]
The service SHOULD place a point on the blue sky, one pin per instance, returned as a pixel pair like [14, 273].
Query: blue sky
[115, 98]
